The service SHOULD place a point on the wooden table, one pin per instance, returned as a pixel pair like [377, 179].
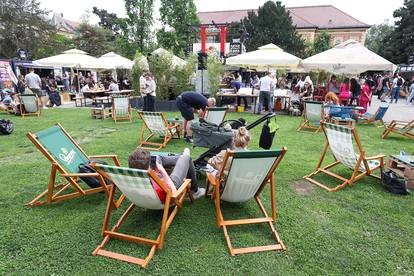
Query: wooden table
[94, 94]
[402, 166]
[120, 92]
[234, 95]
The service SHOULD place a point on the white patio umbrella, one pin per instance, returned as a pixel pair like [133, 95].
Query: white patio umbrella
[115, 61]
[266, 57]
[349, 57]
[176, 61]
[73, 58]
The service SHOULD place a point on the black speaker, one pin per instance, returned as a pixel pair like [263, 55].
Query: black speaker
[202, 61]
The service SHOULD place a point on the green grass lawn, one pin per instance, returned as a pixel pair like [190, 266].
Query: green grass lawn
[360, 230]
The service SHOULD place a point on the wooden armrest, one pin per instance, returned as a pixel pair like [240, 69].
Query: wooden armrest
[80, 174]
[114, 157]
[375, 157]
[186, 183]
[211, 179]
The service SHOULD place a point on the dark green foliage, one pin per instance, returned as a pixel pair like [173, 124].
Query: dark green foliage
[321, 43]
[22, 25]
[399, 44]
[108, 20]
[273, 24]
[94, 40]
[377, 36]
[176, 14]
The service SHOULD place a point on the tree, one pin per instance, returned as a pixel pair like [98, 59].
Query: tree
[273, 24]
[108, 20]
[399, 44]
[377, 35]
[177, 14]
[321, 43]
[137, 28]
[55, 45]
[94, 40]
[23, 25]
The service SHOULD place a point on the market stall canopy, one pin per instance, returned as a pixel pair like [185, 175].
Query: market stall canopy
[349, 57]
[73, 58]
[114, 61]
[266, 57]
[176, 61]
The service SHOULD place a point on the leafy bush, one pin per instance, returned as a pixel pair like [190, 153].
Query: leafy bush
[215, 71]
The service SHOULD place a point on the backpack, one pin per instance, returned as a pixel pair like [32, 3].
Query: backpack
[6, 127]
[393, 183]
[399, 82]
[92, 182]
[267, 135]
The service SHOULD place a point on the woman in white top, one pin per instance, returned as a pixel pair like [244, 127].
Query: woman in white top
[150, 92]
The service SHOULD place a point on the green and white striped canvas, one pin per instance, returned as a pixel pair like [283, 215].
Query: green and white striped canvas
[155, 123]
[135, 185]
[313, 112]
[121, 104]
[29, 103]
[246, 174]
[340, 142]
[215, 115]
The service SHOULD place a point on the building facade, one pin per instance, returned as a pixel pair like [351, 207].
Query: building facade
[310, 21]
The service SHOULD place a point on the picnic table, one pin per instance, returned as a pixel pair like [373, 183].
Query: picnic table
[120, 92]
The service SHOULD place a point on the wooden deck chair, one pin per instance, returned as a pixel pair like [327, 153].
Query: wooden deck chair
[156, 123]
[215, 115]
[402, 128]
[312, 115]
[65, 156]
[29, 105]
[121, 108]
[339, 140]
[137, 187]
[375, 118]
[248, 174]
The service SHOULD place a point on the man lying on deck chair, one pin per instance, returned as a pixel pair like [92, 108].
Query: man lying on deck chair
[182, 167]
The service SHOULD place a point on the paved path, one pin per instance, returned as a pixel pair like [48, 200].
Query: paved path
[397, 111]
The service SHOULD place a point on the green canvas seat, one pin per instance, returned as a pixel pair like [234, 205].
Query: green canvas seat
[248, 174]
[121, 108]
[215, 115]
[65, 156]
[136, 187]
[29, 105]
[312, 115]
[340, 142]
[156, 124]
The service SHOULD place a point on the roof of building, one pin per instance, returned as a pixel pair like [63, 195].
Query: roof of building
[64, 24]
[322, 17]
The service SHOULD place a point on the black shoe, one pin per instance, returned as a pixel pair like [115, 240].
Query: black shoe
[189, 139]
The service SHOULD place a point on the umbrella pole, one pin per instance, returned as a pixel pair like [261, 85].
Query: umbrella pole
[77, 70]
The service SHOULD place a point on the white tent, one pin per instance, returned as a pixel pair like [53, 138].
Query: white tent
[266, 57]
[73, 58]
[176, 61]
[349, 57]
[114, 61]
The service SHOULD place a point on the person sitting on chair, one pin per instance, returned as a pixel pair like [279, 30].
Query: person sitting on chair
[333, 104]
[182, 167]
[241, 141]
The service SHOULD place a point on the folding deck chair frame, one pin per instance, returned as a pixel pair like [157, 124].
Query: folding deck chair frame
[22, 106]
[170, 129]
[308, 114]
[375, 118]
[124, 116]
[266, 219]
[174, 200]
[54, 191]
[405, 129]
[360, 169]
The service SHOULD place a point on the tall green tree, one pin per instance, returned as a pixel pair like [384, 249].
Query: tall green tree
[23, 25]
[56, 44]
[107, 20]
[273, 24]
[94, 40]
[399, 45]
[138, 25]
[322, 43]
[176, 14]
[376, 36]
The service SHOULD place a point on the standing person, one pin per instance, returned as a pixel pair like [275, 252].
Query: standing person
[66, 81]
[344, 94]
[411, 91]
[143, 89]
[281, 82]
[237, 83]
[187, 103]
[332, 85]
[355, 89]
[365, 96]
[396, 87]
[265, 87]
[386, 88]
[34, 82]
[150, 92]
[21, 85]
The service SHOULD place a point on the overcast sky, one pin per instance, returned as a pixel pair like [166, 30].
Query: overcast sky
[367, 11]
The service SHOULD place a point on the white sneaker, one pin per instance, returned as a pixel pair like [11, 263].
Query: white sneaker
[45, 107]
[200, 192]
[186, 151]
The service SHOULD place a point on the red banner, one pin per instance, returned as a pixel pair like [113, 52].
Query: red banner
[223, 32]
[203, 39]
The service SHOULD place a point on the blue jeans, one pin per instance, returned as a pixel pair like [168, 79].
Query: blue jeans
[396, 93]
